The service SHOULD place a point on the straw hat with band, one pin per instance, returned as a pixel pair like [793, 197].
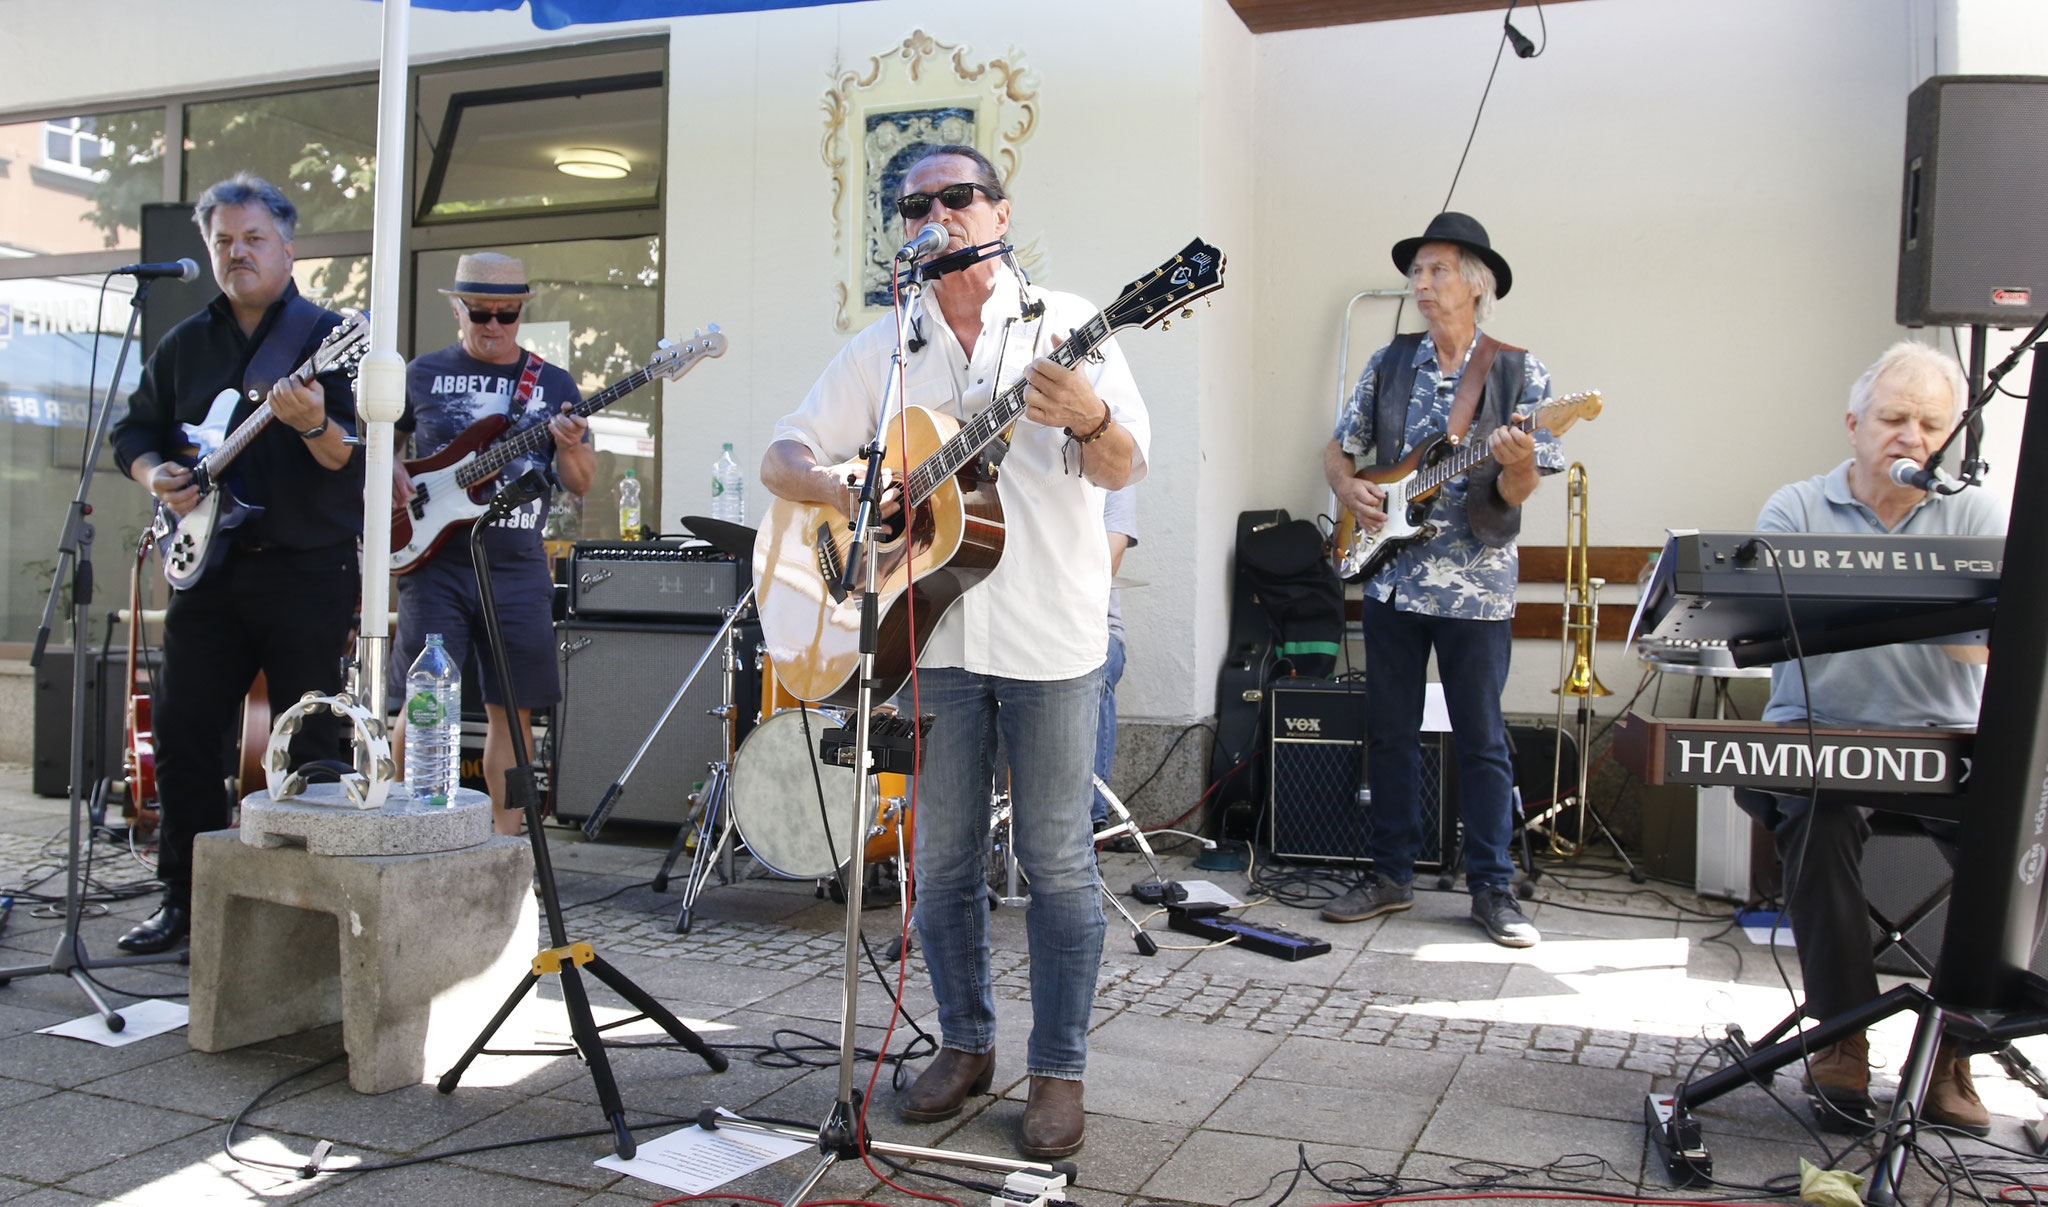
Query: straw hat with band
[488, 274]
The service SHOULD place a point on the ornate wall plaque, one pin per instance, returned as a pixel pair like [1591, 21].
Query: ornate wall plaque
[877, 117]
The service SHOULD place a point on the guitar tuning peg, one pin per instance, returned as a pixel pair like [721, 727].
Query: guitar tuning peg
[1166, 324]
[712, 328]
[1187, 312]
[664, 343]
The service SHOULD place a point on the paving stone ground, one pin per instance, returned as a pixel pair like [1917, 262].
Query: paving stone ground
[1415, 1049]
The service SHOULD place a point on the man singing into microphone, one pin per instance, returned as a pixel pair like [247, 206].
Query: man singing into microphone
[1901, 409]
[1020, 654]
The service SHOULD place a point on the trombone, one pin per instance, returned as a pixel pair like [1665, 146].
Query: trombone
[1576, 677]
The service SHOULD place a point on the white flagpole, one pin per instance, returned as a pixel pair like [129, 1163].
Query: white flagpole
[380, 397]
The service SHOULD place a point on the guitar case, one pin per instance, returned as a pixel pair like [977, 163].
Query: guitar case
[1236, 775]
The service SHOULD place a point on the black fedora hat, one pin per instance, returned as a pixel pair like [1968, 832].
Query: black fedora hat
[1465, 231]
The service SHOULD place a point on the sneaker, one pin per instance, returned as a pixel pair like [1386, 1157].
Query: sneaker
[1952, 1096]
[1375, 895]
[1500, 916]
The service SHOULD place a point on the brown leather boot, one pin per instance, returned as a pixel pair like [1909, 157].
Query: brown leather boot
[1840, 1073]
[1053, 1118]
[943, 1087]
[1952, 1097]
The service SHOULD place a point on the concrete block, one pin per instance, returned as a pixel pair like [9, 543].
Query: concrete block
[321, 821]
[412, 953]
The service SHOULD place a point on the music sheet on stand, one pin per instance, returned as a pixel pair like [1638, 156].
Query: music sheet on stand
[694, 1161]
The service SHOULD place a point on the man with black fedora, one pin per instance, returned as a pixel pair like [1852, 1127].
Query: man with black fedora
[485, 372]
[1454, 593]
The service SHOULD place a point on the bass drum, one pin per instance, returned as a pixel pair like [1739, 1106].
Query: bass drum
[774, 790]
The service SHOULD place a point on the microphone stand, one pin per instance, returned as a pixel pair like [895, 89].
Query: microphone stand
[842, 1137]
[562, 957]
[74, 557]
[1983, 388]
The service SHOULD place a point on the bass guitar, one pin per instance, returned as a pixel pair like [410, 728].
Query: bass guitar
[951, 536]
[1413, 483]
[190, 543]
[451, 488]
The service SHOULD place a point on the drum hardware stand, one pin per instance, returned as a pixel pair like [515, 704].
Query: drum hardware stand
[1015, 892]
[843, 1136]
[74, 565]
[562, 958]
[713, 827]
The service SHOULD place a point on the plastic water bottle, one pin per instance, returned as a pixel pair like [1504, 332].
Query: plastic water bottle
[629, 507]
[433, 725]
[728, 489]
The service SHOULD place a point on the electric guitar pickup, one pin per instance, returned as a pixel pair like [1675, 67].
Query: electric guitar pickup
[191, 542]
[1413, 483]
[452, 488]
[952, 534]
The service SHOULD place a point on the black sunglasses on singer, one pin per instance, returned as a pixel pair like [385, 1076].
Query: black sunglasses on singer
[954, 197]
[505, 317]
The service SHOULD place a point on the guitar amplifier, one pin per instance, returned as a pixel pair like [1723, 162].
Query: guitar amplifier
[653, 580]
[1317, 807]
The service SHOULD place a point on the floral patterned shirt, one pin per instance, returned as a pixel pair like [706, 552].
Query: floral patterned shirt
[1453, 575]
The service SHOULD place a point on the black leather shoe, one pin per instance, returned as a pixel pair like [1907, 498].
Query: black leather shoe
[161, 931]
[942, 1089]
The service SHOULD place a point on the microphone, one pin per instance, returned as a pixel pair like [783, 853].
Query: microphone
[933, 238]
[186, 269]
[1907, 472]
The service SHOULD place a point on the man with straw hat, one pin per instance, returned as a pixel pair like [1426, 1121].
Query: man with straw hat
[484, 373]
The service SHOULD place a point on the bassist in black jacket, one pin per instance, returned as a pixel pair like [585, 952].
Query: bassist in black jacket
[283, 596]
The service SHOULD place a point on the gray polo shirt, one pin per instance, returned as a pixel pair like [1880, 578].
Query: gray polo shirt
[1120, 514]
[1891, 686]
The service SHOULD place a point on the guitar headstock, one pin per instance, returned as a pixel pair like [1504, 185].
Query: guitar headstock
[345, 346]
[1154, 297]
[1559, 414]
[672, 360]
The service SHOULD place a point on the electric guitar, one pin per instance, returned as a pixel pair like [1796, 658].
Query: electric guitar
[1413, 483]
[190, 542]
[450, 488]
[950, 534]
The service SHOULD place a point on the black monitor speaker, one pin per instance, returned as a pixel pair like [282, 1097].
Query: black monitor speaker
[1973, 227]
[167, 235]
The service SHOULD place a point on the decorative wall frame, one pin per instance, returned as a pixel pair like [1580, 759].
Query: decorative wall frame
[915, 94]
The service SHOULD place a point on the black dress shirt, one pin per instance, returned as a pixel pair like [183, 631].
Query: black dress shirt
[306, 505]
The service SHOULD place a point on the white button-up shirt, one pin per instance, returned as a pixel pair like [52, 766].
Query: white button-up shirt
[1041, 614]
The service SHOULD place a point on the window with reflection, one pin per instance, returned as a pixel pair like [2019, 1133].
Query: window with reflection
[50, 329]
[319, 147]
[77, 184]
[596, 312]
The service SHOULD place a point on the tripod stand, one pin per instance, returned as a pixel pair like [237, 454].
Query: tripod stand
[74, 565]
[562, 958]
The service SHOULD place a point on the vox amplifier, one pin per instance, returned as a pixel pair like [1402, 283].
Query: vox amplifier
[1318, 807]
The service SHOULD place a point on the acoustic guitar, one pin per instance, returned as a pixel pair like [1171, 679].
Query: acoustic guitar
[951, 537]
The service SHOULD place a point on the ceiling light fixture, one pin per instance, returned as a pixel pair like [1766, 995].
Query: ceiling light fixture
[595, 163]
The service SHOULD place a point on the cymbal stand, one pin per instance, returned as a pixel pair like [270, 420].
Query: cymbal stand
[74, 564]
[713, 826]
[843, 1136]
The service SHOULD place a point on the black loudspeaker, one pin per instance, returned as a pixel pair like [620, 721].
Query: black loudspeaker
[167, 235]
[1315, 808]
[1973, 227]
[616, 681]
[51, 775]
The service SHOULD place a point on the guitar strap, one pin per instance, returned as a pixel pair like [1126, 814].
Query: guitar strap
[1465, 403]
[529, 377]
[278, 354]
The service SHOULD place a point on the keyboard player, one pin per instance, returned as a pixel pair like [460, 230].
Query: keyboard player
[1903, 406]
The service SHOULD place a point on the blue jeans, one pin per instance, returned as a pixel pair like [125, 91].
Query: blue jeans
[1472, 662]
[1105, 728]
[1048, 728]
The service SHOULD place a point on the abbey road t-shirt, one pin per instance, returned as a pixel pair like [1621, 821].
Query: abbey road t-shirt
[446, 392]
